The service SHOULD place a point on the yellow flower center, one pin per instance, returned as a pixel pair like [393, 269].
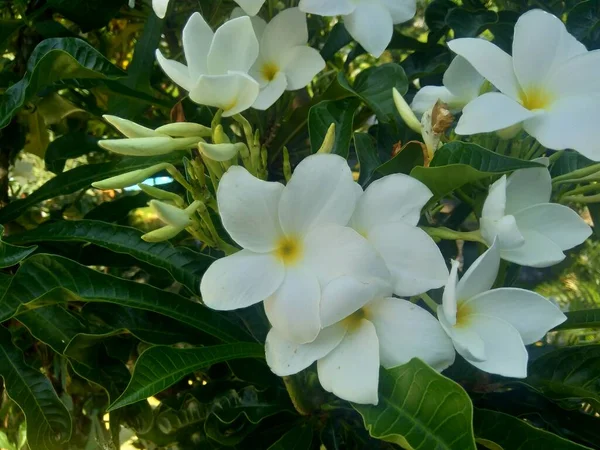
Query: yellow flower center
[462, 315]
[288, 250]
[535, 98]
[353, 320]
[269, 71]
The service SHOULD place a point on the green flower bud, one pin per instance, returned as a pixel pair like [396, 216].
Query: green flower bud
[221, 152]
[129, 128]
[130, 178]
[184, 129]
[329, 141]
[148, 146]
[405, 112]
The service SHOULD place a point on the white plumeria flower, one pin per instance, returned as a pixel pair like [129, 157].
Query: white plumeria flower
[298, 255]
[530, 230]
[387, 214]
[387, 331]
[217, 64]
[285, 62]
[549, 85]
[370, 22]
[462, 84]
[490, 328]
[251, 7]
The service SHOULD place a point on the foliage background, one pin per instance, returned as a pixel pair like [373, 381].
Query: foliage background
[89, 297]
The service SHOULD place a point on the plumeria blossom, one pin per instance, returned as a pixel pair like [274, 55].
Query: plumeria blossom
[370, 22]
[530, 230]
[285, 62]
[217, 64]
[387, 331]
[462, 84]
[251, 7]
[387, 214]
[298, 255]
[549, 85]
[490, 327]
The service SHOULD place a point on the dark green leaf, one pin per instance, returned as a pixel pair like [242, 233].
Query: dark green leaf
[470, 23]
[53, 279]
[589, 318]
[7, 29]
[374, 86]
[254, 405]
[338, 38]
[81, 178]
[514, 434]
[567, 162]
[118, 210]
[160, 367]
[11, 255]
[420, 409]
[48, 421]
[368, 158]
[298, 438]
[66, 147]
[409, 157]
[90, 14]
[339, 112]
[55, 60]
[459, 163]
[583, 22]
[185, 265]
[570, 372]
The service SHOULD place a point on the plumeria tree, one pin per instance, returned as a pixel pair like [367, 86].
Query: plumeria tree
[308, 224]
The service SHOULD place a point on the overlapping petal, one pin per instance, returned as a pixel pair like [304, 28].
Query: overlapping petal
[301, 64]
[327, 8]
[234, 47]
[480, 277]
[527, 187]
[287, 30]
[536, 251]
[462, 79]
[176, 71]
[271, 92]
[233, 93]
[251, 7]
[427, 96]
[372, 26]
[197, 40]
[400, 10]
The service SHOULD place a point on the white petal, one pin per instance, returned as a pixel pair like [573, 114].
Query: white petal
[480, 277]
[391, 199]
[241, 280]
[333, 251]
[462, 79]
[372, 26]
[407, 331]
[219, 152]
[536, 251]
[449, 299]
[541, 44]
[490, 61]
[343, 296]
[197, 38]
[251, 7]
[287, 30]
[128, 128]
[412, 257]
[269, 94]
[301, 65]
[351, 370]
[248, 208]
[320, 192]
[576, 76]
[571, 123]
[505, 231]
[494, 207]
[530, 313]
[234, 47]
[428, 96]
[233, 93]
[160, 7]
[492, 111]
[287, 358]
[504, 350]
[176, 71]
[293, 309]
[527, 187]
[466, 341]
[327, 8]
[401, 10]
[558, 223]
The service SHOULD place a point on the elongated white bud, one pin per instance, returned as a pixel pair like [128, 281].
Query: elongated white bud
[174, 216]
[162, 234]
[405, 112]
[329, 141]
[221, 152]
[148, 146]
[128, 128]
[184, 129]
[160, 194]
[130, 178]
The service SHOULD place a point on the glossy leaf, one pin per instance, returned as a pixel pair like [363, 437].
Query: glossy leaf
[89, 14]
[459, 163]
[420, 409]
[368, 158]
[160, 367]
[408, 157]
[298, 438]
[55, 60]
[568, 373]
[339, 112]
[511, 433]
[69, 146]
[11, 255]
[49, 422]
[567, 162]
[583, 22]
[185, 265]
[337, 39]
[254, 405]
[589, 318]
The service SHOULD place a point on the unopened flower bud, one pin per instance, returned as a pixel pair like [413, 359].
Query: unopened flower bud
[130, 178]
[406, 112]
[128, 128]
[329, 141]
[160, 194]
[147, 146]
[219, 135]
[221, 152]
[184, 129]
[177, 220]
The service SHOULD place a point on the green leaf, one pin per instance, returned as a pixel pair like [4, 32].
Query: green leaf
[11, 255]
[68, 146]
[81, 178]
[409, 157]
[48, 421]
[7, 29]
[337, 39]
[467, 23]
[54, 60]
[185, 265]
[567, 162]
[568, 373]
[514, 434]
[420, 409]
[160, 367]
[589, 318]
[339, 112]
[298, 438]
[368, 158]
[583, 22]
[47, 279]
[459, 163]
[90, 14]
[118, 210]
[374, 86]
[254, 405]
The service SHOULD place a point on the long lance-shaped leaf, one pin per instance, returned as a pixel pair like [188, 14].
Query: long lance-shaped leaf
[48, 421]
[53, 279]
[581, 319]
[11, 255]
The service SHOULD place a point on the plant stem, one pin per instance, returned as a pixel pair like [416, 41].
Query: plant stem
[431, 303]
[576, 174]
[296, 393]
[451, 235]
